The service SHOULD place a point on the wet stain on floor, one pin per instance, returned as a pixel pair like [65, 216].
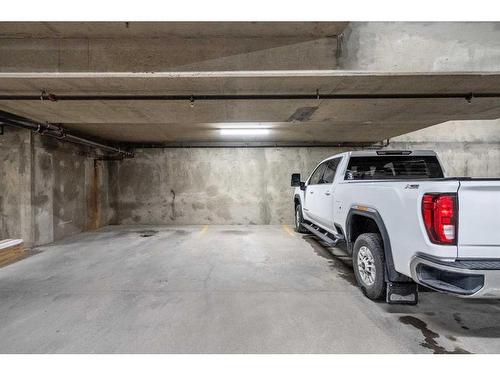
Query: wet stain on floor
[430, 336]
[458, 319]
[341, 264]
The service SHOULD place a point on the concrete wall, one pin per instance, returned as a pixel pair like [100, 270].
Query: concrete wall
[209, 186]
[69, 193]
[48, 189]
[251, 186]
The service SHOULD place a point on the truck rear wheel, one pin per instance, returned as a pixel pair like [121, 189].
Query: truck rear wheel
[368, 263]
[299, 220]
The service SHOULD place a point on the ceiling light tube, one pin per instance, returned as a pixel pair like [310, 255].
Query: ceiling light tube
[243, 131]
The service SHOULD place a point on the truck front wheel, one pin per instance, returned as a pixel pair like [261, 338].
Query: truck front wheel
[368, 263]
[299, 220]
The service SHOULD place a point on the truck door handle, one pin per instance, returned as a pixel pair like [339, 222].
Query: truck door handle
[327, 193]
[311, 192]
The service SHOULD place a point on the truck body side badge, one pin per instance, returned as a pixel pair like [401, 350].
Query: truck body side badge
[412, 186]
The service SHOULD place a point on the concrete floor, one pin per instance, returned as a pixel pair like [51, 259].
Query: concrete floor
[218, 289]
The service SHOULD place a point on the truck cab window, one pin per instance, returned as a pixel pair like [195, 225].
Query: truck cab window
[330, 169]
[317, 174]
[393, 167]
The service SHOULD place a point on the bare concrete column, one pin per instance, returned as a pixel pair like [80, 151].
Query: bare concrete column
[43, 196]
[16, 178]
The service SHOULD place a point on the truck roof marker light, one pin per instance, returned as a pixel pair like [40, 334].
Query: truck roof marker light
[393, 152]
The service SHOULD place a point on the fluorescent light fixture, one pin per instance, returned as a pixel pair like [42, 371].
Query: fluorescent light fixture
[244, 131]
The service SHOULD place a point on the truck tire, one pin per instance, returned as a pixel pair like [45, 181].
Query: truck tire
[368, 264]
[299, 220]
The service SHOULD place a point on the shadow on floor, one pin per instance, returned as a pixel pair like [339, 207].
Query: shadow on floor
[448, 315]
[337, 261]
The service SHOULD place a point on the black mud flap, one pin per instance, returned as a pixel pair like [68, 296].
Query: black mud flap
[401, 293]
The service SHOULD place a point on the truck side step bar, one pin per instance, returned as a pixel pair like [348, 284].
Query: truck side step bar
[330, 238]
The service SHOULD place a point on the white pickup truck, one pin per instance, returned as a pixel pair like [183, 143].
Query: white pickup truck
[404, 223]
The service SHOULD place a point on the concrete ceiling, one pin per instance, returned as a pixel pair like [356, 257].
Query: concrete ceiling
[90, 59]
[311, 30]
[331, 120]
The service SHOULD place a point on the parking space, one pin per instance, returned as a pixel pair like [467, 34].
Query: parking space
[218, 289]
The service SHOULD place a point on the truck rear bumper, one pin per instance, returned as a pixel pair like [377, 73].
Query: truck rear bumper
[464, 278]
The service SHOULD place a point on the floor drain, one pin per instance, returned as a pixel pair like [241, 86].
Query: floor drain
[147, 233]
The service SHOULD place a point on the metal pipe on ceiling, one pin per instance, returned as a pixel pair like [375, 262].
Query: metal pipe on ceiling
[468, 96]
[57, 132]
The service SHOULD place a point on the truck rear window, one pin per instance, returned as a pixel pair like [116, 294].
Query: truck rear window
[393, 167]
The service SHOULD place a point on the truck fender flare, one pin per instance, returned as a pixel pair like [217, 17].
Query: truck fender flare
[391, 274]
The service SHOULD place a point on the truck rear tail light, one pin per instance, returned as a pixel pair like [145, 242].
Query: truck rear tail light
[439, 212]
